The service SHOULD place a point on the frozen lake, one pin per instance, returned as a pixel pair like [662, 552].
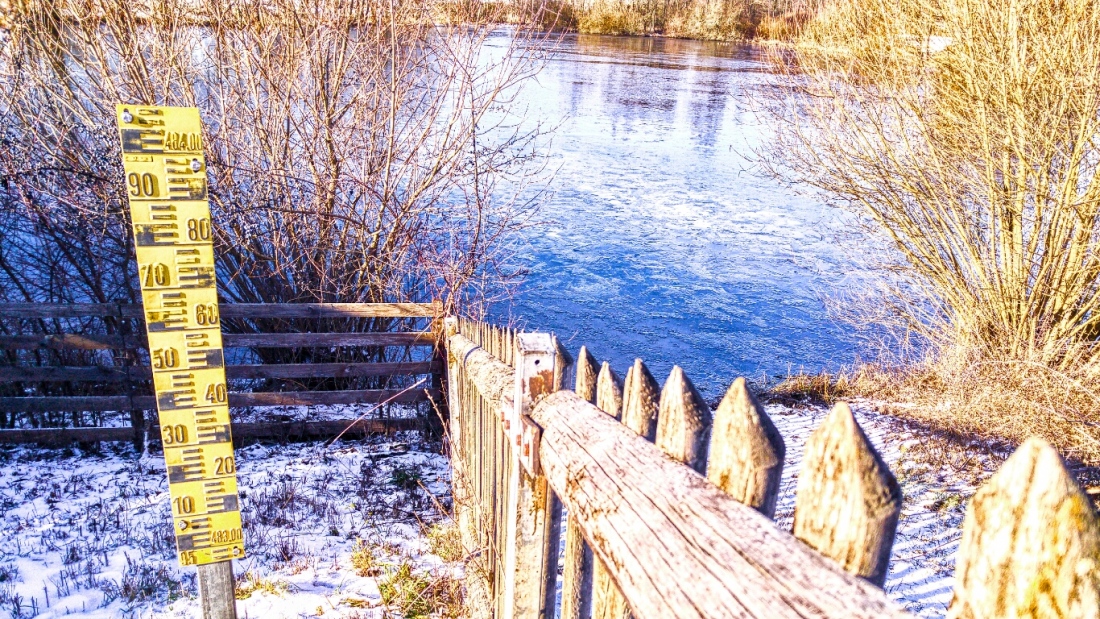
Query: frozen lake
[665, 242]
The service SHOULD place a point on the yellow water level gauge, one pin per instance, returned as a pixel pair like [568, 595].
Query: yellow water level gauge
[162, 154]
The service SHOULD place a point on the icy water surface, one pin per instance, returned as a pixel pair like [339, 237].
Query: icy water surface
[666, 243]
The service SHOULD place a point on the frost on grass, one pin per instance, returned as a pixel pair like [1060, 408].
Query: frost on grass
[352, 530]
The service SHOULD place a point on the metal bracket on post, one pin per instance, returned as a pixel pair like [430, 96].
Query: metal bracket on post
[536, 355]
[529, 446]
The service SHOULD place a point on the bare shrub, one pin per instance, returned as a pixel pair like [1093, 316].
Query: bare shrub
[357, 152]
[967, 136]
[697, 19]
[355, 149]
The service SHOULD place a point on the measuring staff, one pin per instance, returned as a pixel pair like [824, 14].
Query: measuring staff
[162, 153]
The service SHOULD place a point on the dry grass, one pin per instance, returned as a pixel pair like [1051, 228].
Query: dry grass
[364, 560]
[411, 593]
[965, 137]
[726, 20]
[1000, 401]
[445, 541]
[250, 582]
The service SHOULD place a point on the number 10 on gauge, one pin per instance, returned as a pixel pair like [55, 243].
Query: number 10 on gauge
[166, 185]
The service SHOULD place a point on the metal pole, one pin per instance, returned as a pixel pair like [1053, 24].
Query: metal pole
[216, 589]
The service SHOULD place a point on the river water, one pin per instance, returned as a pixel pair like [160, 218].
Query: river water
[665, 241]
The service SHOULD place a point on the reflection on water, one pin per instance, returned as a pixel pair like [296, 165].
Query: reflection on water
[666, 245]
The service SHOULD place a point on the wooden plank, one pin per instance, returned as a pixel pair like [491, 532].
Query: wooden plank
[332, 310]
[69, 310]
[534, 514]
[325, 340]
[842, 474]
[313, 398]
[333, 370]
[274, 430]
[609, 391]
[322, 429]
[1030, 544]
[115, 374]
[746, 451]
[677, 546]
[65, 436]
[96, 373]
[641, 401]
[230, 310]
[460, 440]
[43, 404]
[47, 404]
[607, 601]
[577, 562]
[586, 375]
[683, 423]
[70, 341]
[229, 340]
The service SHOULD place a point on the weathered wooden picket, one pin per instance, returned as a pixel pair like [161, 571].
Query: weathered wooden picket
[79, 358]
[670, 505]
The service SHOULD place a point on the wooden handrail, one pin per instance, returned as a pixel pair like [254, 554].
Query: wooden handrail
[650, 537]
[648, 517]
[676, 545]
[230, 310]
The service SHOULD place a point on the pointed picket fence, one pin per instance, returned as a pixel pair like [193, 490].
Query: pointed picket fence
[670, 505]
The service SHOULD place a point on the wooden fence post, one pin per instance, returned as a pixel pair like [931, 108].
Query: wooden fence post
[679, 546]
[847, 503]
[746, 451]
[683, 423]
[1030, 544]
[607, 601]
[641, 401]
[586, 376]
[576, 577]
[459, 428]
[609, 391]
[534, 513]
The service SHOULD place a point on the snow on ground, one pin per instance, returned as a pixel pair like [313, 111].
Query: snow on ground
[326, 529]
[937, 479]
[89, 534]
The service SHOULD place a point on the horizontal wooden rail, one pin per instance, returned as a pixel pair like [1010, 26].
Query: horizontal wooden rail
[285, 430]
[118, 374]
[676, 545]
[69, 341]
[229, 310]
[319, 340]
[331, 310]
[44, 404]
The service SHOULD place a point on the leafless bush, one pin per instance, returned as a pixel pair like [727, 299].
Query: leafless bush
[356, 150]
[967, 135]
[697, 19]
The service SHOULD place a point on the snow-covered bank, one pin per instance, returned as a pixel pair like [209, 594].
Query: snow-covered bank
[90, 535]
[326, 528]
[937, 479]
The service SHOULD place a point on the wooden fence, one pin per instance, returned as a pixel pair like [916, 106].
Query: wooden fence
[92, 358]
[670, 505]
